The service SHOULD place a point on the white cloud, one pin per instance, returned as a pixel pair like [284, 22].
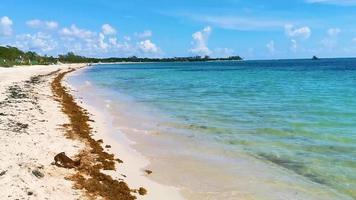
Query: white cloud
[113, 41]
[223, 52]
[74, 31]
[102, 44]
[302, 33]
[108, 30]
[333, 32]
[331, 40]
[148, 47]
[294, 45]
[5, 26]
[83, 41]
[51, 24]
[36, 23]
[334, 2]
[270, 46]
[144, 34]
[200, 40]
[39, 42]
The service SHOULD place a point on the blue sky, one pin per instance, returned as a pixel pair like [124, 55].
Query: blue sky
[253, 29]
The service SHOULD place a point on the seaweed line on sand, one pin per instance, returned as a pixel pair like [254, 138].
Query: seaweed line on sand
[93, 158]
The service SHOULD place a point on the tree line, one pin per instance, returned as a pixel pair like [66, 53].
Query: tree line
[10, 56]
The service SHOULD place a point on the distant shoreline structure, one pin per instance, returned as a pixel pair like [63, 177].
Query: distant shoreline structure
[315, 58]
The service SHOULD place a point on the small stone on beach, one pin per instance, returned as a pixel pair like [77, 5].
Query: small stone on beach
[142, 191]
[107, 146]
[3, 173]
[37, 173]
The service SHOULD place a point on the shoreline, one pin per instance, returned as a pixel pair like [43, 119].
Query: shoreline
[36, 125]
[134, 164]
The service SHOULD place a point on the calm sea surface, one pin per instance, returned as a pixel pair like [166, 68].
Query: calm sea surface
[297, 114]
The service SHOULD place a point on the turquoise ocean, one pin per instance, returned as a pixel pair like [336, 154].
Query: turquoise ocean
[298, 116]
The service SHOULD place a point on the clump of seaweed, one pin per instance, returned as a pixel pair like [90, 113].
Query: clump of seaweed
[16, 92]
[17, 127]
[94, 158]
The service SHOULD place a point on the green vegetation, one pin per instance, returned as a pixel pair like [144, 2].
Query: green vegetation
[10, 56]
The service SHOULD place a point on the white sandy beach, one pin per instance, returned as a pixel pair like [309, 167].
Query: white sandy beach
[31, 134]
[24, 150]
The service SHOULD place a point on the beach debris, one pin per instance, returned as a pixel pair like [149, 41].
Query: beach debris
[21, 125]
[119, 161]
[16, 92]
[62, 160]
[37, 173]
[142, 191]
[29, 193]
[17, 126]
[89, 176]
[3, 173]
[148, 171]
[107, 146]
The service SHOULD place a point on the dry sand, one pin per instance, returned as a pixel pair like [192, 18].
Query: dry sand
[31, 134]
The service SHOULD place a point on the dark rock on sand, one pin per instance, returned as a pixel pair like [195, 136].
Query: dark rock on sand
[37, 173]
[142, 191]
[20, 126]
[3, 173]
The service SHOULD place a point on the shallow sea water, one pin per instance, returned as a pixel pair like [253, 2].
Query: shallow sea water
[288, 125]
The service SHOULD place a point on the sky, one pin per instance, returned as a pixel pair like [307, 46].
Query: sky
[252, 29]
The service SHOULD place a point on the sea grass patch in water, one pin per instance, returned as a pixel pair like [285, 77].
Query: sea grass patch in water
[297, 167]
[93, 158]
